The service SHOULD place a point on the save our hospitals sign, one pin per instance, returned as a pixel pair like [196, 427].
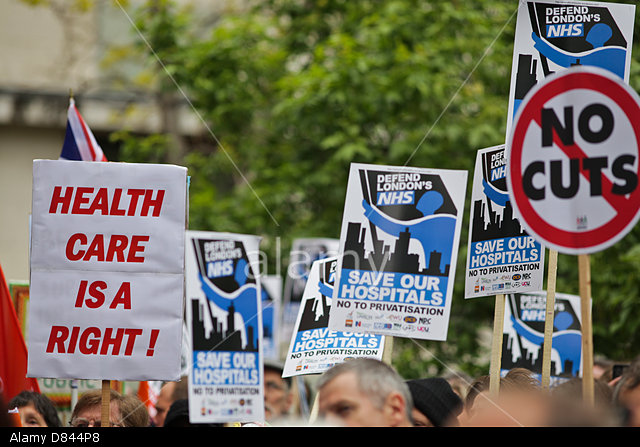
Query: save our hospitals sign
[524, 334]
[224, 321]
[501, 256]
[107, 270]
[314, 348]
[398, 250]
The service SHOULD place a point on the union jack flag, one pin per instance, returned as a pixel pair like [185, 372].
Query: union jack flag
[79, 142]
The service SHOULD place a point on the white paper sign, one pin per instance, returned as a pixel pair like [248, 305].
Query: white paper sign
[304, 251]
[501, 256]
[398, 251]
[314, 348]
[523, 334]
[107, 270]
[224, 319]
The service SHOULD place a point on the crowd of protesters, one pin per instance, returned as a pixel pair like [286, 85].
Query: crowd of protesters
[368, 392]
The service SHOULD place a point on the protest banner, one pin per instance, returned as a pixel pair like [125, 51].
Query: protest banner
[398, 251]
[224, 319]
[589, 162]
[573, 170]
[107, 270]
[554, 35]
[501, 257]
[523, 335]
[304, 252]
[314, 348]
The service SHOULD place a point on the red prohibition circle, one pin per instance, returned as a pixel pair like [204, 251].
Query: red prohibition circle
[626, 208]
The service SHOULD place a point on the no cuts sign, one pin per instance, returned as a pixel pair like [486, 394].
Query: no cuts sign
[573, 160]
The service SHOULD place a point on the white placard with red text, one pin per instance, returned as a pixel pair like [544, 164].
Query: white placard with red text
[107, 270]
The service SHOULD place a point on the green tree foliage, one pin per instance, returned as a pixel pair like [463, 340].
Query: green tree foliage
[292, 92]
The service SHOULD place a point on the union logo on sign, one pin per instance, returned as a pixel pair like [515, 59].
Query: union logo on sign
[573, 160]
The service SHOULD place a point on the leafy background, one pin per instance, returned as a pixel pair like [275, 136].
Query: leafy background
[292, 92]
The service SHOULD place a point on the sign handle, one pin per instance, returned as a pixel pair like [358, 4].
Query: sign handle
[584, 269]
[106, 403]
[388, 350]
[496, 348]
[548, 320]
[313, 414]
[73, 383]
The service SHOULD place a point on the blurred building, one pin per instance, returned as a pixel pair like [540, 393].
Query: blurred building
[49, 50]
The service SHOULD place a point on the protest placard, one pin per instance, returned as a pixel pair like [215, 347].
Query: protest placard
[501, 257]
[224, 320]
[574, 180]
[554, 35]
[573, 152]
[107, 270]
[523, 335]
[303, 253]
[314, 348]
[398, 251]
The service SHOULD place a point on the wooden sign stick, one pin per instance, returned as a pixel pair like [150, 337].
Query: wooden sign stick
[548, 320]
[388, 350]
[313, 414]
[496, 347]
[584, 269]
[106, 403]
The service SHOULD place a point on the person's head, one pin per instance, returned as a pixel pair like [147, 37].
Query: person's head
[572, 389]
[521, 378]
[602, 368]
[178, 416]
[278, 396]
[459, 382]
[627, 394]
[134, 413]
[435, 404]
[35, 409]
[479, 386]
[364, 392]
[88, 410]
[169, 393]
[515, 380]
[569, 409]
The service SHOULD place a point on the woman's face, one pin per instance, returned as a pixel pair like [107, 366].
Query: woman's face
[30, 417]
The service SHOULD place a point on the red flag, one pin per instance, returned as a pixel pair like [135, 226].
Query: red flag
[148, 396]
[13, 349]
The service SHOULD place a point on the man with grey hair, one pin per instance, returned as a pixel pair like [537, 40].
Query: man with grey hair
[364, 392]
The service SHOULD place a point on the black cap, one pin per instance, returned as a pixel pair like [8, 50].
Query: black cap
[178, 414]
[435, 398]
